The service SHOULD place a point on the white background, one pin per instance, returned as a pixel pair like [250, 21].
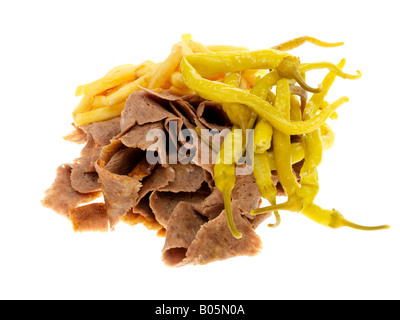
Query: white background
[50, 47]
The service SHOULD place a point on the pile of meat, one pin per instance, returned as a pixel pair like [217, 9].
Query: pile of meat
[179, 201]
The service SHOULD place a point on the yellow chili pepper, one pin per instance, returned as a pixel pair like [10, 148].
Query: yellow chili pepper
[328, 218]
[334, 219]
[301, 199]
[262, 142]
[208, 64]
[287, 118]
[262, 136]
[281, 141]
[313, 148]
[238, 113]
[295, 110]
[223, 93]
[225, 173]
[294, 43]
[313, 144]
[263, 129]
[262, 174]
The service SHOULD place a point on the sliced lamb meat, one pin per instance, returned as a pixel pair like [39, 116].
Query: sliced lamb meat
[136, 136]
[301, 93]
[186, 122]
[188, 178]
[142, 170]
[143, 208]
[212, 205]
[179, 200]
[76, 136]
[163, 203]
[103, 131]
[124, 160]
[61, 196]
[189, 112]
[83, 181]
[165, 95]
[141, 108]
[181, 106]
[132, 219]
[215, 242]
[91, 217]
[160, 178]
[90, 145]
[245, 194]
[212, 116]
[182, 228]
[120, 192]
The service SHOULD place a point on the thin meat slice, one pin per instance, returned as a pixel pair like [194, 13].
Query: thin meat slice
[160, 178]
[76, 136]
[185, 121]
[124, 160]
[119, 189]
[188, 178]
[132, 219]
[245, 194]
[181, 231]
[142, 170]
[103, 131]
[189, 112]
[91, 217]
[136, 136]
[61, 196]
[83, 181]
[212, 116]
[214, 241]
[180, 106]
[212, 205]
[120, 192]
[141, 108]
[164, 203]
[165, 95]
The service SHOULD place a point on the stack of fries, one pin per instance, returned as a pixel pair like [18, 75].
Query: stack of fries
[105, 98]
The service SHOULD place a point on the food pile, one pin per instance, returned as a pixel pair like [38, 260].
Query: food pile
[256, 131]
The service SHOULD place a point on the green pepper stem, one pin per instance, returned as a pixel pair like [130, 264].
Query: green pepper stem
[299, 79]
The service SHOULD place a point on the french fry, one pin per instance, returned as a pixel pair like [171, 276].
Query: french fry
[111, 80]
[177, 80]
[99, 102]
[144, 67]
[123, 93]
[166, 68]
[84, 105]
[196, 47]
[105, 98]
[100, 114]
[112, 90]
[80, 90]
[118, 68]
